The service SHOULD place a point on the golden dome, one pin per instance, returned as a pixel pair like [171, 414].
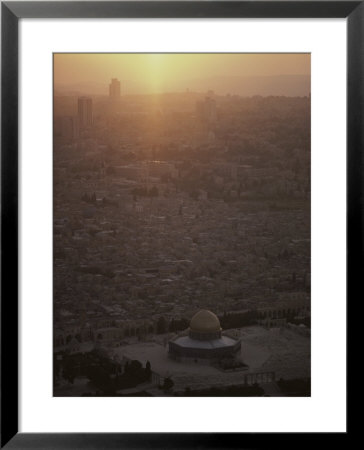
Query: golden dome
[205, 321]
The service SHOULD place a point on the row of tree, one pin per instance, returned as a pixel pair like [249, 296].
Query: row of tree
[106, 375]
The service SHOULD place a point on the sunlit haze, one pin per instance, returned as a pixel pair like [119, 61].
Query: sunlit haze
[243, 74]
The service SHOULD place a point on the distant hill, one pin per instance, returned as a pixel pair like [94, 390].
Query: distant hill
[289, 85]
[86, 88]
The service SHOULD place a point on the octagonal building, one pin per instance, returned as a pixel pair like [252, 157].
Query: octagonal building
[203, 341]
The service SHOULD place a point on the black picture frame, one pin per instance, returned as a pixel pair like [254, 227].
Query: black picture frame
[11, 12]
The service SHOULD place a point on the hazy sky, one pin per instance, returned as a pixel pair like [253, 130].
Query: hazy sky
[165, 72]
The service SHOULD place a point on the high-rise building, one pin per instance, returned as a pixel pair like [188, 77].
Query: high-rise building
[85, 112]
[69, 127]
[206, 110]
[114, 89]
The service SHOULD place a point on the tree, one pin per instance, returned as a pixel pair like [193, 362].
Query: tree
[167, 384]
[148, 370]
[56, 368]
[172, 326]
[69, 370]
[161, 325]
[134, 366]
[187, 391]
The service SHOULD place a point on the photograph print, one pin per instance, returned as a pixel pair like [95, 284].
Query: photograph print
[181, 224]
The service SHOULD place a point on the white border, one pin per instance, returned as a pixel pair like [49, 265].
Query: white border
[326, 409]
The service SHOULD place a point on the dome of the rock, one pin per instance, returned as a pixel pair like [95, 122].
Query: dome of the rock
[205, 321]
[203, 341]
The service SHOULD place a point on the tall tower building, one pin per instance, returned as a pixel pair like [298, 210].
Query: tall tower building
[114, 89]
[206, 110]
[69, 127]
[85, 112]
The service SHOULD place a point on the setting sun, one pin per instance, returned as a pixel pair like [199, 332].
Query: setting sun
[157, 73]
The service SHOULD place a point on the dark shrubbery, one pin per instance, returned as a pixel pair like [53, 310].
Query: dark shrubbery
[104, 373]
[134, 374]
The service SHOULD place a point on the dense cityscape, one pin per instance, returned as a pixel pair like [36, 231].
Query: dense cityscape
[167, 204]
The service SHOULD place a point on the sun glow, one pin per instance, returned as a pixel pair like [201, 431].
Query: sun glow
[165, 72]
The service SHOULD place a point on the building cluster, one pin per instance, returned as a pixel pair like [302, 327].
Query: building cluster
[164, 205]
